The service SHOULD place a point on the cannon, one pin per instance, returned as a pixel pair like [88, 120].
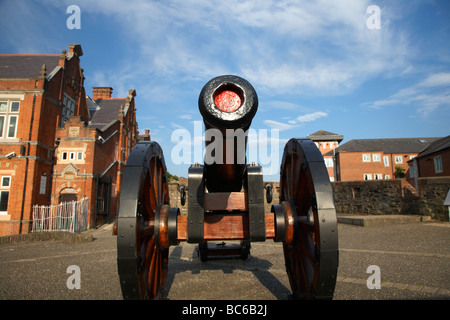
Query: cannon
[226, 203]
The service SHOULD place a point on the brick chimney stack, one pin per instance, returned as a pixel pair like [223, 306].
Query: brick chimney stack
[102, 93]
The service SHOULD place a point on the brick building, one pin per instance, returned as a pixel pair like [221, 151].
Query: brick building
[327, 142]
[376, 159]
[52, 148]
[90, 156]
[432, 161]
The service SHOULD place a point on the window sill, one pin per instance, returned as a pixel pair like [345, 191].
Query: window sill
[5, 217]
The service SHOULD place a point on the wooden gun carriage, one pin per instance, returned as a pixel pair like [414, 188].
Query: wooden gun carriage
[226, 202]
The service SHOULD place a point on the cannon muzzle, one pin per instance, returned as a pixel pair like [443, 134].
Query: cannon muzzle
[228, 104]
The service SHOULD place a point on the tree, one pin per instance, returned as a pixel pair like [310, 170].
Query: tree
[171, 176]
[399, 172]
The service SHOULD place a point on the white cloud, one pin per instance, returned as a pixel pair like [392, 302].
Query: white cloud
[426, 96]
[312, 116]
[297, 122]
[436, 80]
[313, 47]
[278, 125]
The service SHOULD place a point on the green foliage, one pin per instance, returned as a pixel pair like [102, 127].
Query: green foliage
[399, 173]
[171, 176]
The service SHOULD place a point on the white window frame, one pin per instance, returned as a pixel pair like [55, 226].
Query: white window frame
[5, 189]
[438, 168]
[79, 155]
[398, 159]
[386, 161]
[378, 176]
[71, 155]
[376, 157]
[64, 156]
[367, 176]
[7, 115]
[15, 126]
[5, 120]
[387, 177]
[9, 182]
[366, 157]
[328, 162]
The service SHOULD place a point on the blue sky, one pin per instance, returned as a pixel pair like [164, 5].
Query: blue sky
[315, 64]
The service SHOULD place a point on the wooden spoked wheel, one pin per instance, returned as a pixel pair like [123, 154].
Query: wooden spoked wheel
[311, 247]
[142, 262]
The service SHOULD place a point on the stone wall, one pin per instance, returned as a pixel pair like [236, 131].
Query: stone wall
[377, 197]
[368, 197]
[380, 197]
[175, 200]
[432, 193]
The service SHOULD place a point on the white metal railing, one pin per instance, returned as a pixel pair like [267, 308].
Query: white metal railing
[67, 216]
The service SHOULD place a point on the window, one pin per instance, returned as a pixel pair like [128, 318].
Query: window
[328, 162]
[366, 157]
[12, 126]
[79, 155]
[72, 156]
[378, 176]
[9, 118]
[68, 109]
[2, 125]
[438, 164]
[387, 177]
[367, 176]
[398, 159]
[376, 157]
[386, 161]
[64, 156]
[411, 171]
[6, 182]
[4, 194]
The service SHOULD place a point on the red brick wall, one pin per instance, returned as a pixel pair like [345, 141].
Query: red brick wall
[39, 115]
[426, 164]
[352, 167]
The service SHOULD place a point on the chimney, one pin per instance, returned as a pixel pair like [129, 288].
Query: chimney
[75, 49]
[102, 93]
[146, 136]
[62, 58]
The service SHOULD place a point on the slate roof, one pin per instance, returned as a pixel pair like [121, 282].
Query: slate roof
[435, 146]
[26, 66]
[108, 112]
[323, 135]
[388, 146]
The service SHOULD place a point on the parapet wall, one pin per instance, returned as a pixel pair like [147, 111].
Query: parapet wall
[392, 197]
[377, 197]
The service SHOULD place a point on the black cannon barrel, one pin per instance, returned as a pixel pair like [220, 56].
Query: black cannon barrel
[227, 103]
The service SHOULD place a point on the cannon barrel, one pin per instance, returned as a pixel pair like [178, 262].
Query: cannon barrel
[228, 104]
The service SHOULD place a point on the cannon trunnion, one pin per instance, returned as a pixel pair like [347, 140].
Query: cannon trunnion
[226, 202]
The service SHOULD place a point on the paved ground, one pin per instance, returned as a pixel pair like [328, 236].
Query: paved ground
[414, 260]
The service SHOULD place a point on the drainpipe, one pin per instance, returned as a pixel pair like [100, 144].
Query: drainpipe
[416, 175]
[97, 177]
[26, 166]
